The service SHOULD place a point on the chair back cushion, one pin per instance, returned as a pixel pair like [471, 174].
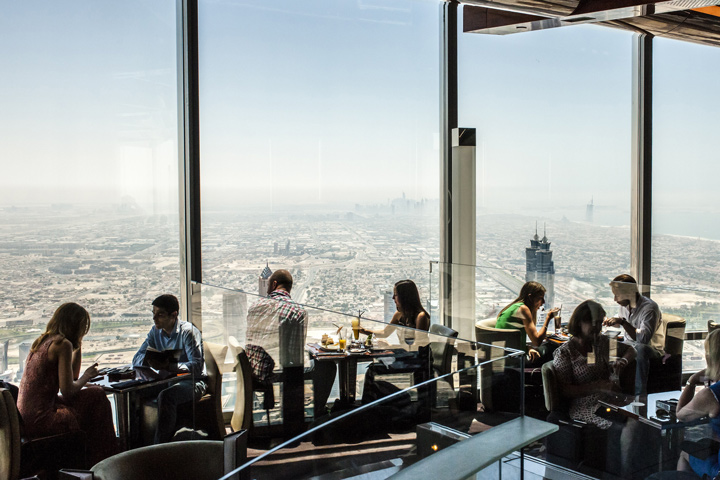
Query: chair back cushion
[215, 379]
[242, 414]
[438, 329]
[550, 388]
[196, 459]
[485, 332]
[9, 437]
[441, 349]
[674, 334]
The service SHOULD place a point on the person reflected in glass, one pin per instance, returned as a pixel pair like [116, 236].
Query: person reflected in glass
[705, 403]
[582, 364]
[641, 319]
[521, 314]
[410, 312]
[52, 366]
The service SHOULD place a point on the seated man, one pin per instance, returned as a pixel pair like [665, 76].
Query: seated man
[276, 329]
[642, 321]
[170, 333]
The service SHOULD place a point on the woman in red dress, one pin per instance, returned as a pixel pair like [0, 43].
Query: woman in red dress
[54, 365]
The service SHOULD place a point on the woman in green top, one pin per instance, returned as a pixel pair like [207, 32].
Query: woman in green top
[522, 314]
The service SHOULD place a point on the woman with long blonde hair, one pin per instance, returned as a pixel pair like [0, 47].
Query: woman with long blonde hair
[706, 403]
[53, 366]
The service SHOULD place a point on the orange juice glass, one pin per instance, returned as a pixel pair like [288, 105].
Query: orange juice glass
[356, 327]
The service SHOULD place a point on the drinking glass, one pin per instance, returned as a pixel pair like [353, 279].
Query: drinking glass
[342, 339]
[356, 328]
[409, 337]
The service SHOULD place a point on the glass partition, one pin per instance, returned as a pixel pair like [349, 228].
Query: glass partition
[88, 191]
[552, 115]
[346, 365]
[319, 145]
[685, 242]
[390, 403]
[494, 288]
[383, 434]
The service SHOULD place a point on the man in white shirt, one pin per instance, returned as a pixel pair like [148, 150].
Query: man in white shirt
[641, 319]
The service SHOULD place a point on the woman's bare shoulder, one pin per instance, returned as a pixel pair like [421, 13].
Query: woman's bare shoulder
[59, 345]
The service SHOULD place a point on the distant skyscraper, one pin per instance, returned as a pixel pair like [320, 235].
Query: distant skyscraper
[389, 306]
[4, 356]
[275, 248]
[287, 247]
[23, 351]
[589, 211]
[539, 266]
[264, 280]
[234, 314]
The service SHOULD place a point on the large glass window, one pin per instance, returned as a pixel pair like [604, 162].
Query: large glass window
[88, 191]
[686, 162]
[320, 146]
[552, 111]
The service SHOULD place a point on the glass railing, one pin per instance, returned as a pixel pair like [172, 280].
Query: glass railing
[383, 436]
[234, 321]
[363, 424]
[462, 295]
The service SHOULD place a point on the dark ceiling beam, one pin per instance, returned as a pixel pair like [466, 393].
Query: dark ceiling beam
[686, 25]
[487, 19]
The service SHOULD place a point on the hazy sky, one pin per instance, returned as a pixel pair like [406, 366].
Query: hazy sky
[336, 102]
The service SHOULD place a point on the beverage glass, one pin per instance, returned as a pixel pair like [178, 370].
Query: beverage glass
[356, 328]
[558, 321]
[342, 341]
[409, 337]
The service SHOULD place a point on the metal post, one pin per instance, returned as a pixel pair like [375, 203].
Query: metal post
[462, 270]
[641, 176]
[189, 153]
[448, 121]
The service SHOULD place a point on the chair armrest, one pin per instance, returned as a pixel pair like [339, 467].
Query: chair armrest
[70, 474]
[59, 441]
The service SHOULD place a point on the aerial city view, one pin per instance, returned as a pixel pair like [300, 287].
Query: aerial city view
[115, 261]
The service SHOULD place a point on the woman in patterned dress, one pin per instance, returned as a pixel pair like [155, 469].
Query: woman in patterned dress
[583, 366]
[54, 365]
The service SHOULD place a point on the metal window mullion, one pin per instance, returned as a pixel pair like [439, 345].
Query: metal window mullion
[188, 152]
[641, 170]
[448, 121]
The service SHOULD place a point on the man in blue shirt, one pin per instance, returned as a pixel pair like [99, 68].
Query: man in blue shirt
[170, 333]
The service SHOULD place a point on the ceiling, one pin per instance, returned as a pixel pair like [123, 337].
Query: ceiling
[700, 25]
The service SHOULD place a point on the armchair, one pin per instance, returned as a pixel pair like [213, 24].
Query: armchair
[665, 374]
[575, 443]
[20, 457]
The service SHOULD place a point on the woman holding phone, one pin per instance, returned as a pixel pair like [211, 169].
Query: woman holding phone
[53, 366]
